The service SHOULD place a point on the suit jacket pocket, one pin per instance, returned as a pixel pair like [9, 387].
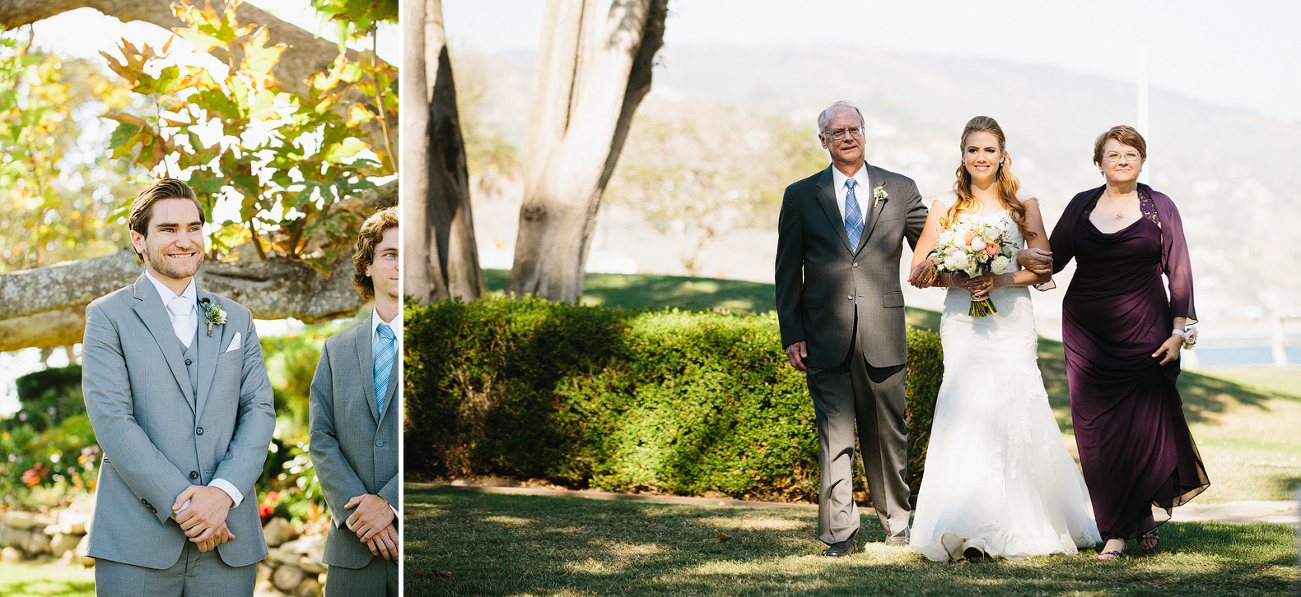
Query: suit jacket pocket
[814, 301]
[234, 355]
[892, 299]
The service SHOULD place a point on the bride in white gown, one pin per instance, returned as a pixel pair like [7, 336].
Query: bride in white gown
[998, 479]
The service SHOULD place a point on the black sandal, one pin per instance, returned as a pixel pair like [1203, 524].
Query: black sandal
[1111, 555]
[1153, 535]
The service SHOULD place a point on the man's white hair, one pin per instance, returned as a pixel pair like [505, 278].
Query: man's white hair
[825, 117]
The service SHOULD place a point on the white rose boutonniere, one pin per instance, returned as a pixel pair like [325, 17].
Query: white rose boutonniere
[880, 195]
[212, 314]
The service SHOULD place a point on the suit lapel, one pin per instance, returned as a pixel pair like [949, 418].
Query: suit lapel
[209, 351]
[366, 365]
[875, 207]
[151, 311]
[827, 199]
[390, 398]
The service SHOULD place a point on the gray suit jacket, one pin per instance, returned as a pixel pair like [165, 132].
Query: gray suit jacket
[354, 449]
[160, 437]
[822, 282]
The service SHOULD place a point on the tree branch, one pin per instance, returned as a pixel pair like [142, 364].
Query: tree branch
[306, 53]
[45, 307]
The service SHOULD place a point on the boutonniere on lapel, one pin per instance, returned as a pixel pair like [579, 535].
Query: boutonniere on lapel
[880, 195]
[212, 314]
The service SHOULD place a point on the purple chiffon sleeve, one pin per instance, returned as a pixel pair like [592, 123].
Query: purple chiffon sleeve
[1175, 263]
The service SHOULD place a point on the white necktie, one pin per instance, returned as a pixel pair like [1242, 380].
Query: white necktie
[181, 308]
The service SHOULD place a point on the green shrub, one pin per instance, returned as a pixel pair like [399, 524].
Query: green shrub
[669, 401]
[49, 447]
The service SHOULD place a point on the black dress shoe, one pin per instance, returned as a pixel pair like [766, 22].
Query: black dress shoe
[843, 548]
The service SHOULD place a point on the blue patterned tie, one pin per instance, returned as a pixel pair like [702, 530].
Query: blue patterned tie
[383, 364]
[853, 216]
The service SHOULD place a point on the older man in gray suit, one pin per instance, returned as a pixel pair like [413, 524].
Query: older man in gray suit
[840, 309]
[177, 392]
[355, 414]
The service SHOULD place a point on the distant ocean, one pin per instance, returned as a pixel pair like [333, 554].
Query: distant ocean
[1244, 356]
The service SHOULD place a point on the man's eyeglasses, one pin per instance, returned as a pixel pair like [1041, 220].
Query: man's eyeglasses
[857, 132]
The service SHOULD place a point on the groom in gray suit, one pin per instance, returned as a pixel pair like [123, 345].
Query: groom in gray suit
[177, 392]
[355, 415]
[840, 308]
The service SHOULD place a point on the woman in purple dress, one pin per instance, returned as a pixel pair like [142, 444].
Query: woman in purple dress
[1122, 335]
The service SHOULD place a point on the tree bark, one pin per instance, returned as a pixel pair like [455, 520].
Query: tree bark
[45, 307]
[306, 53]
[584, 97]
[441, 256]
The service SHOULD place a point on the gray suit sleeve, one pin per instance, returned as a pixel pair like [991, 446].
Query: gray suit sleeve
[789, 279]
[109, 405]
[256, 423]
[338, 481]
[916, 217]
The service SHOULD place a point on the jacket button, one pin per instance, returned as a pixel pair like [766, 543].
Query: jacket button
[379, 443]
[850, 297]
[187, 362]
[855, 264]
[198, 431]
[194, 474]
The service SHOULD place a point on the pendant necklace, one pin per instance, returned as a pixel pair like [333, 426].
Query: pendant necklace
[1120, 214]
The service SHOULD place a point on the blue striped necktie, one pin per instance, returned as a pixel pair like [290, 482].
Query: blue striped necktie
[383, 363]
[853, 216]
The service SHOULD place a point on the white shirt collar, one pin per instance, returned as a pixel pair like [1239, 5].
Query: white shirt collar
[191, 292]
[375, 320]
[838, 179]
[860, 178]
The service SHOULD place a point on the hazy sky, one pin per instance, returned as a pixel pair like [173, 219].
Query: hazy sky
[86, 31]
[1244, 54]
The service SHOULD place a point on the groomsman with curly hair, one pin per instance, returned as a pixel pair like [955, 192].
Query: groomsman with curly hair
[355, 413]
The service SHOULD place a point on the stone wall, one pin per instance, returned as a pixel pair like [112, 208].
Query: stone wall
[293, 566]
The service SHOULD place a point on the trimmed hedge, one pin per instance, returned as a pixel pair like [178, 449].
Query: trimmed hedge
[668, 401]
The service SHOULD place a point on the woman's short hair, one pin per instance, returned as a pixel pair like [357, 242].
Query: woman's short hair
[1125, 135]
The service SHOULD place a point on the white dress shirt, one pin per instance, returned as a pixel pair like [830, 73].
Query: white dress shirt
[861, 191]
[191, 294]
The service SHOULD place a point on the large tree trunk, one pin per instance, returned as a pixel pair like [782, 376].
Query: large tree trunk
[45, 307]
[585, 91]
[442, 259]
[306, 53]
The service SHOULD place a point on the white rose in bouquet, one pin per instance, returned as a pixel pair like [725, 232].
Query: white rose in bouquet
[999, 264]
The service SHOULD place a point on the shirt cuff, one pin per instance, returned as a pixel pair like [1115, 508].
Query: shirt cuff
[235, 496]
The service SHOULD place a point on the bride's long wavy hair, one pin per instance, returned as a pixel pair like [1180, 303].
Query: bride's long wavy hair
[1007, 182]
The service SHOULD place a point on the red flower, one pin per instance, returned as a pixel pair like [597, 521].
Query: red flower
[264, 511]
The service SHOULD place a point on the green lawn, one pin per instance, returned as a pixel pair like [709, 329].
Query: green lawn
[461, 542]
[46, 579]
[1244, 420]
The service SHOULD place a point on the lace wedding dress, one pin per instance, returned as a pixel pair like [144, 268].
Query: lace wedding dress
[998, 477]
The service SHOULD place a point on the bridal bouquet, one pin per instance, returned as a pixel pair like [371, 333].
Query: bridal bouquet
[972, 246]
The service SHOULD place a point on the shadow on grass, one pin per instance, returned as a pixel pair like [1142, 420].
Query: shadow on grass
[1284, 484]
[503, 545]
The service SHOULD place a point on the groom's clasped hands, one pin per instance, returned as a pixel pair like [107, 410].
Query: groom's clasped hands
[201, 511]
